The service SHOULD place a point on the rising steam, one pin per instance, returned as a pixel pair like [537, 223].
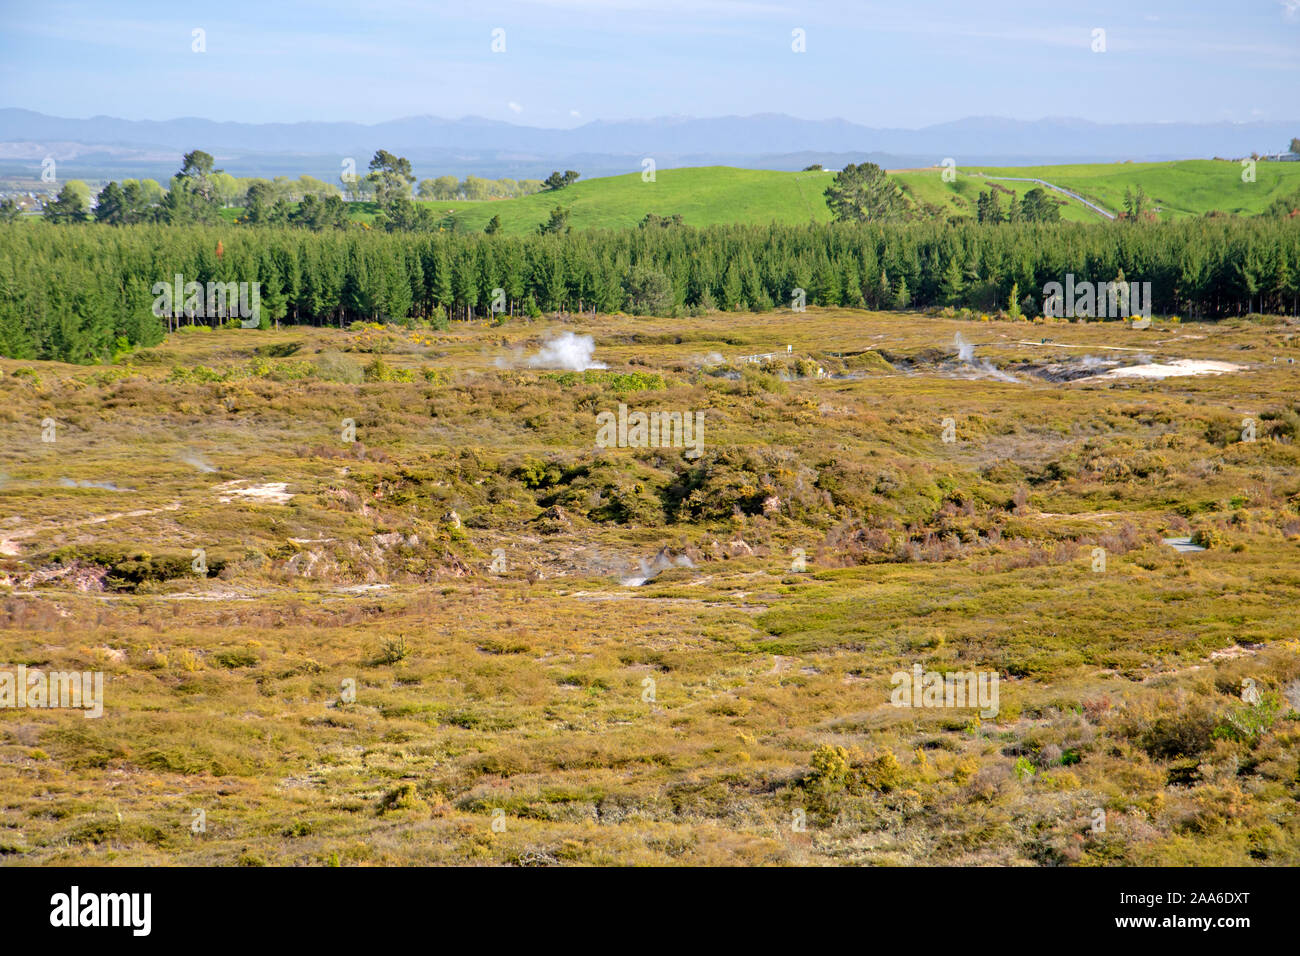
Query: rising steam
[566, 351]
[966, 354]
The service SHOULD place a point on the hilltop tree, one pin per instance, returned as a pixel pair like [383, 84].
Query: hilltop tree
[193, 195]
[865, 193]
[558, 180]
[10, 211]
[1036, 206]
[197, 169]
[390, 176]
[1295, 144]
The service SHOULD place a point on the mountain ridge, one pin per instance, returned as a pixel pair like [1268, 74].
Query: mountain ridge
[496, 147]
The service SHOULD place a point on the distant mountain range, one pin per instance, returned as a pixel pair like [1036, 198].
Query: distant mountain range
[104, 146]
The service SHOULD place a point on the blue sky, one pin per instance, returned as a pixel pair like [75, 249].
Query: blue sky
[909, 63]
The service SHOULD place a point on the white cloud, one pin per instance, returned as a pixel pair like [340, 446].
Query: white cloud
[514, 107]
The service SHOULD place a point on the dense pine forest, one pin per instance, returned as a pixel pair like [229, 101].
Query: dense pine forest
[83, 294]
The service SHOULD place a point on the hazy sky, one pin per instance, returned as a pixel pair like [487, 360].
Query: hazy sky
[908, 63]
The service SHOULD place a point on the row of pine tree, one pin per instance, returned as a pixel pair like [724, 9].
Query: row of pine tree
[81, 294]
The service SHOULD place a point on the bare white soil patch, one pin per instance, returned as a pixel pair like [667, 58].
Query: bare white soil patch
[1081, 515]
[1235, 651]
[272, 492]
[1174, 369]
[9, 545]
[208, 596]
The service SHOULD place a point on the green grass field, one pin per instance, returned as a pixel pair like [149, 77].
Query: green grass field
[704, 196]
[958, 197]
[1188, 188]
[714, 195]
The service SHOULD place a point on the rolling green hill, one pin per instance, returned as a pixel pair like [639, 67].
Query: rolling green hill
[703, 196]
[712, 195]
[1190, 187]
[958, 197]
[706, 196]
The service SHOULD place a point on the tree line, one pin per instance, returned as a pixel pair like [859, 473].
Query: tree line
[143, 200]
[78, 294]
[198, 192]
[864, 192]
[859, 193]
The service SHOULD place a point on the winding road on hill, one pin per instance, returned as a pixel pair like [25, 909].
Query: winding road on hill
[1064, 192]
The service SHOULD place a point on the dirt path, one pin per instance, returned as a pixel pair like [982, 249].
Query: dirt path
[8, 545]
[1066, 345]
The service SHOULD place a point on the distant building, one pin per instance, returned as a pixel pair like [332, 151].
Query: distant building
[1281, 158]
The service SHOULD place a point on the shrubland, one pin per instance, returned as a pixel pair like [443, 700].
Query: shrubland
[407, 630]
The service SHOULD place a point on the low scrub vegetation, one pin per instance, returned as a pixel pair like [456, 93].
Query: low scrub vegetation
[394, 604]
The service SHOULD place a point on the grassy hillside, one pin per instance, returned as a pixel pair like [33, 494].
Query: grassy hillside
[703, 196]
[712, 195]
[958, 197]
[1188, 188]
